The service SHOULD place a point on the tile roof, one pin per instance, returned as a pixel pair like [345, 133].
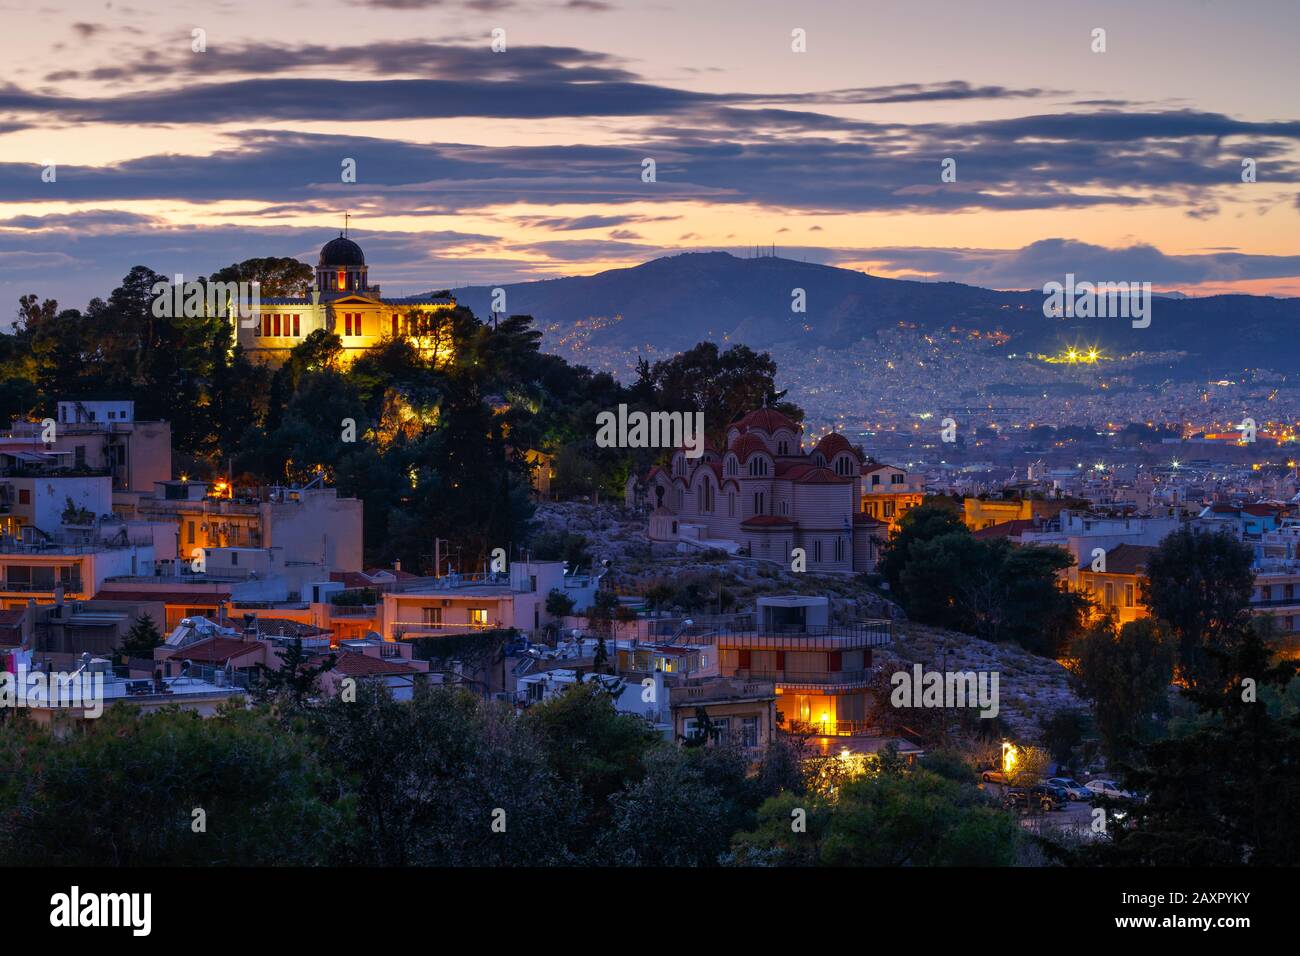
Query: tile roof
[356, 664]
[821, 476]
[747, 445]
[1007, 529]
[767, 419]
[217, 650]
[1127, 558]
[283, 627]
[761, 521]
[833, 443]
[191, 598]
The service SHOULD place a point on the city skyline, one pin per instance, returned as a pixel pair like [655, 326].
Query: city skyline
[479, 167]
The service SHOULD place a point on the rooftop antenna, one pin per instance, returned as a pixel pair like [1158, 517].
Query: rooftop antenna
[345, 223]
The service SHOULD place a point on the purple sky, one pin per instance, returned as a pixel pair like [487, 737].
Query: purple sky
[482, 167]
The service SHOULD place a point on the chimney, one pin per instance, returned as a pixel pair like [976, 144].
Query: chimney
[397, 565]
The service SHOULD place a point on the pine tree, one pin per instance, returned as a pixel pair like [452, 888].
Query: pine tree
[296, 677]
[140, 640]
[1220, 794]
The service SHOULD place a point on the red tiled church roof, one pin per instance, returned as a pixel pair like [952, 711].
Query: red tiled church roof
[747, 445]
[793, 469]
[834, 443]
[820, 476]
[766, 419]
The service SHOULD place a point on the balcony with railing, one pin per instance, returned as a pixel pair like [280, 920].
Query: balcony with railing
[70, 586]
[829, 728]
[456, 582]
[1276, 602]
[719, 690]
[410, 630]
[352, 610]
[812, 679]
[55, 545]
[215, 577]
[831, 637]
[743, 632]
[292, 602]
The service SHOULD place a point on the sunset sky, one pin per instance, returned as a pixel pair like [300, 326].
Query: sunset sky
[475, 167]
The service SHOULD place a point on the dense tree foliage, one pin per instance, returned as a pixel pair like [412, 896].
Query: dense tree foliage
[1124, 672]
[722, 385]
[445, 778]
[1198, 587]
[913, 817]
[130, 793]
[924, 523]
[438, 442]
[989, 588]
[1220, 791]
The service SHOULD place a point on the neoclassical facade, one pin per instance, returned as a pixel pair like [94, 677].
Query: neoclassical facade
[341, 300]
[767, 495]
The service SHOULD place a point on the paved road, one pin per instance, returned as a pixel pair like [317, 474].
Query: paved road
[1077, 814]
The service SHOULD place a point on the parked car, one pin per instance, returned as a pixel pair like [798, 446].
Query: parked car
[993, 776]
[1073, 789]
[1108, 788]
[1058, 795]
[1041, 795]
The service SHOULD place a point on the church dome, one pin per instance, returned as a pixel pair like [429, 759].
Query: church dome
[833, 443]
[341, 252]
[765, 419]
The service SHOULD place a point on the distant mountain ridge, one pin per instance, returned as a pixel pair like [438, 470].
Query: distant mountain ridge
[676, 301]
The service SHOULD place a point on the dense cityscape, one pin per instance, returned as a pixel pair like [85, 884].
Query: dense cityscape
[416, 468]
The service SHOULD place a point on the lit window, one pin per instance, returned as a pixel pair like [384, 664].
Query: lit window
[478, 616]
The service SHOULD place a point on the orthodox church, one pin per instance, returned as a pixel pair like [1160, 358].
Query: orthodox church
[765, 495]
[343, 301]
